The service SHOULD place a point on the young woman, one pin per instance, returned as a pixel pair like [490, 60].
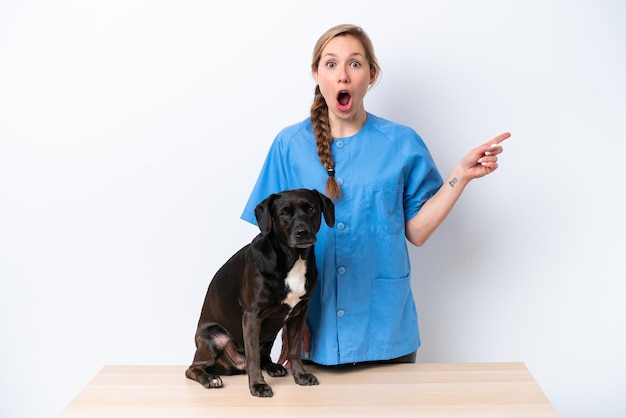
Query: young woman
[386, 189]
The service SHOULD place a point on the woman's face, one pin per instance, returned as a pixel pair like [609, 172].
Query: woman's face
[344, 76]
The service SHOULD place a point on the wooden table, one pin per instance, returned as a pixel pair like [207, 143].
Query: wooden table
[413, 390]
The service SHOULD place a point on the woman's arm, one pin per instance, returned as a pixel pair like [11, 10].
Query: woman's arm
[478, 163]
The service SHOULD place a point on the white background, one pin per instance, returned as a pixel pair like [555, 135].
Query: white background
[131, 133]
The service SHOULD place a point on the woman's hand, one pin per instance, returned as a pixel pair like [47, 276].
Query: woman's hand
[482, 160]
[306, 345]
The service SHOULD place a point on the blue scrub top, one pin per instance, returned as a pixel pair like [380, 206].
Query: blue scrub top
[363, 307]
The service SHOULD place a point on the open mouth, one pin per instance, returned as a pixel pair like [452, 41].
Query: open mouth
[343, 98]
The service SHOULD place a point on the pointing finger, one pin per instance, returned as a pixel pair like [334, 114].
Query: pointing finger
[495, 141]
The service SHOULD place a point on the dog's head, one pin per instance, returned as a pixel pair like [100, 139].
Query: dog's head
[295, 216]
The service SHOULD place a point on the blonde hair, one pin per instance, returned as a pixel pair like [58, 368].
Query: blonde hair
[319, 108]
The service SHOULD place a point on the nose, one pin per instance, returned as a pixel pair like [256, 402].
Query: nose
[303, 232]
[343, 76]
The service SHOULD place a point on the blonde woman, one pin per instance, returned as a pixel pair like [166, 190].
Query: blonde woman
[386, 189]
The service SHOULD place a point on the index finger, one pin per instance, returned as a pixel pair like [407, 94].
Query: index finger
[496, 140]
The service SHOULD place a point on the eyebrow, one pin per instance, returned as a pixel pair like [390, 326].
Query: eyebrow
[353, 54]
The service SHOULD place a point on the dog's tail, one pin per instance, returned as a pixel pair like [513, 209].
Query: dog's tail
[236, 358]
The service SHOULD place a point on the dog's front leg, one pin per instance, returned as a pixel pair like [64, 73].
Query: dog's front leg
[251, 323]
[294, 339]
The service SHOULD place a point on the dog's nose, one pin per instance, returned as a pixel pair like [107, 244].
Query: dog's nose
[303, 233]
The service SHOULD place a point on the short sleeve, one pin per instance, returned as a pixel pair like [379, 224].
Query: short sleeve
[272, 179]
[422, 180]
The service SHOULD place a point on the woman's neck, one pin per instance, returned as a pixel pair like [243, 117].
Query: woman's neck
[343, 128]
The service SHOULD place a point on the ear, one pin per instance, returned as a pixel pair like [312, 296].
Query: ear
[328, 208]
[263, 214]
[373, 73]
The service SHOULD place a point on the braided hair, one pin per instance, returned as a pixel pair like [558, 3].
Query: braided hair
[319, 109]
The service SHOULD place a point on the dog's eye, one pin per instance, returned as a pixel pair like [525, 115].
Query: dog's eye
[312, 210]
[284, 213]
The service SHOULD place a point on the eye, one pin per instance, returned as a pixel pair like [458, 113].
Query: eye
[312, 210]
[331, 64]
[284, 213]
[355, 64]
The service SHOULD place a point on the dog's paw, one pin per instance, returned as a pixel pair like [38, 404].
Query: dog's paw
[306, 379]
[262, 390]
[212, 381]
[276, 370]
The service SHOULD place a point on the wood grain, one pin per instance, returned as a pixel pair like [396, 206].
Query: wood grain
[413, 390]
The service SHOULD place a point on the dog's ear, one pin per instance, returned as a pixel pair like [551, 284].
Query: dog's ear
[263, 214]
[328, 208]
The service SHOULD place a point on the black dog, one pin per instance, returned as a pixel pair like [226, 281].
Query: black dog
[265, 285]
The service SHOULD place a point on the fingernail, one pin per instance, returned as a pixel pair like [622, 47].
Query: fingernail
[487, 152]
[480, 161]
[494, 145]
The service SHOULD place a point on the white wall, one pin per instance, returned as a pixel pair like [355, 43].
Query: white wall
[131, 133]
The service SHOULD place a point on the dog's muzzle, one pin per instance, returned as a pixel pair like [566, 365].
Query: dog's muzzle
[302, 237]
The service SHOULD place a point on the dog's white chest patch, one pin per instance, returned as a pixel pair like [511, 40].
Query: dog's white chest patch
[294, 282]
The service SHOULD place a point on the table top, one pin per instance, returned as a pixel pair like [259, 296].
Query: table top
[418, 390]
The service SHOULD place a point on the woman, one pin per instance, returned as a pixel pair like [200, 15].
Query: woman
[386, 189]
